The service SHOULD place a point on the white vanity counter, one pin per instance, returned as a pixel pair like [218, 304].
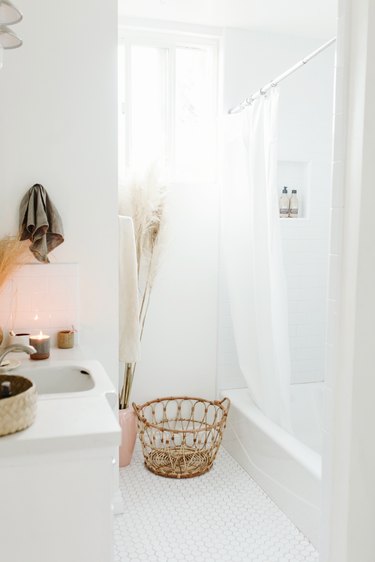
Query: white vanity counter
[65, 424]
[65, 420]
[59, 474]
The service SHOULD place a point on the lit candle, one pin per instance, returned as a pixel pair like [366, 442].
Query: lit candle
[41, 342]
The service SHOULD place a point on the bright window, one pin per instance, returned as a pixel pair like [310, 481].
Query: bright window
[168, 105]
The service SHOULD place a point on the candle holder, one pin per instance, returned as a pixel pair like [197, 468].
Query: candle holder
[41, 342]
[65, 339]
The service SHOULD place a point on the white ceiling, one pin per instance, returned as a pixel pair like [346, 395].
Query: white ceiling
[307, 18]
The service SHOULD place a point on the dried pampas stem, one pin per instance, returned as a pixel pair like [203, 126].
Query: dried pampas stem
[144, 201]
[13, 254]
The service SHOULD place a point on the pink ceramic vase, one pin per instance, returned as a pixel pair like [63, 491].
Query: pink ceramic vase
[128, 423]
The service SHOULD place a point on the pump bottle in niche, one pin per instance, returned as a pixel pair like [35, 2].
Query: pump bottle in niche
[293, 205]
[284, 203]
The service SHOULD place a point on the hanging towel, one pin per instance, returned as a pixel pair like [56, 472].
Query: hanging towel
[40, 222]
[128, 301]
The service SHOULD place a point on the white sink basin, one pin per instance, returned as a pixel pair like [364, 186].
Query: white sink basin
[75, 378]
[53, 379]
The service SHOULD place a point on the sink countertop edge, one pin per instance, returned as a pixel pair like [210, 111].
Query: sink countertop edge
[65, 424]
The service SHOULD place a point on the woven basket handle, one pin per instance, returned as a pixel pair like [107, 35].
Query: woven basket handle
[136, 409]
[225, 402]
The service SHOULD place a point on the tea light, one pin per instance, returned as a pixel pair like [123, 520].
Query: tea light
[41, 342]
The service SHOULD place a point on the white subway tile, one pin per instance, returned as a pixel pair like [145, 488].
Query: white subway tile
[339, 141]
[333, 323]
[312, 295]
[307, 330]
[338, 187]
[308, 354]
[297, 269]
[315, 340]
[301, 318]
[315, 245]
[315, 364]
[6, 297]
[340, 91]
[308, 308]
[300, 376]
[328, 408]
[342, 7]
[63, 318]
[330, 366]
[309, 281]
[341, 40]
[41, 296]
[334, 282]
[336, 229]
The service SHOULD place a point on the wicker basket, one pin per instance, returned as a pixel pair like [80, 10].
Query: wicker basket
[18, 411]
[181, 436]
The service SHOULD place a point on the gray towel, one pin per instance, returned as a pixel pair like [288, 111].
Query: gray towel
[40, 222]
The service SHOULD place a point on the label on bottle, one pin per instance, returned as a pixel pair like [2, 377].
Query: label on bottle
[284, 213]
[293, 212]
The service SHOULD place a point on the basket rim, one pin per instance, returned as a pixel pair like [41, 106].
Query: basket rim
[29, 390]
[208, 427]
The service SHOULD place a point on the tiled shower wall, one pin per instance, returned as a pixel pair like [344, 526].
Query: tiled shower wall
[305, 244]
[306, 264]
[41, 297]
[304, 147]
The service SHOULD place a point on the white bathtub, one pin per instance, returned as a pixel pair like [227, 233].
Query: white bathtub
[288, 469]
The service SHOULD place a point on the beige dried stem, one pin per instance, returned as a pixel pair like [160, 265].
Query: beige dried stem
[144, 201]
[13, 254]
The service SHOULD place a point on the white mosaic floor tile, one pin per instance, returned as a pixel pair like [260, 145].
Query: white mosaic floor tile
[222, 516]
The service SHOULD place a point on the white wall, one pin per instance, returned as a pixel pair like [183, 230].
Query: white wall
[58, 125]
[179, 342]
[305, 125]
[349, 468]
[302, 18]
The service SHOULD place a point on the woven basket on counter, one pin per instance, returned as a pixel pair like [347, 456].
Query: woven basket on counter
[18, 411]
[181, 436]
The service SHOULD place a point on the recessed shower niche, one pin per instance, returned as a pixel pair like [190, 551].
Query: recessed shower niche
[295, 175]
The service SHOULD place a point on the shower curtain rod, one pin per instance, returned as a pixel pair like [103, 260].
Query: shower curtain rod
[248, 101]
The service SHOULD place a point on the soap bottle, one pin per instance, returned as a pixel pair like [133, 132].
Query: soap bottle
[293, 205]
[284, 204]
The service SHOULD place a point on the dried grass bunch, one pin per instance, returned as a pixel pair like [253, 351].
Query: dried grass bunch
[144, 201]
[13, 254]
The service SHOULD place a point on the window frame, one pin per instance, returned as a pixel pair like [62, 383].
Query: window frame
[170, 40]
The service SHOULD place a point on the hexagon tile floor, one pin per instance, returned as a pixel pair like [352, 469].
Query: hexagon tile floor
[222, 516]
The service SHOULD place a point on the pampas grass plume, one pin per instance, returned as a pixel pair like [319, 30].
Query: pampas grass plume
[144, 201]
[13, 254]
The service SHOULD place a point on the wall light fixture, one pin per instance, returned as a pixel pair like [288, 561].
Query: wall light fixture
[9, 15]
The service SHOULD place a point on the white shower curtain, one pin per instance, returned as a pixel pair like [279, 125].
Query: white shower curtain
[253, 255]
